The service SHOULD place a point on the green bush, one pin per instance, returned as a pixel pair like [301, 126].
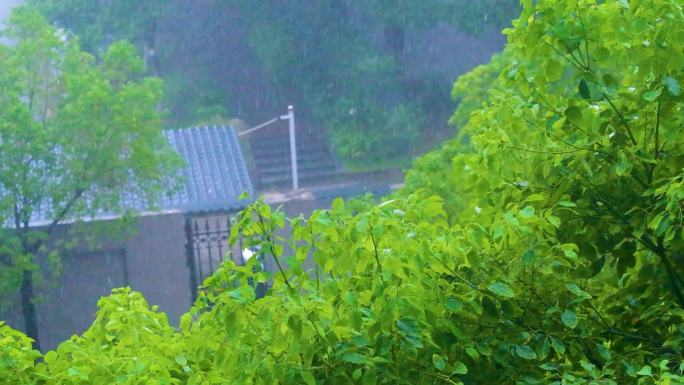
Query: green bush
[17, 357]
[373, 133]
[128, 343]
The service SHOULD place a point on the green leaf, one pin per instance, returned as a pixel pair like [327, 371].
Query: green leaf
[554, 220]
[408, 326]
[624, 166]
[574, 114]
[501, 289]
[574, 289]
[369, 378]
[535, 198]
[652, 95]
[354, 357]
[528, 257]
[472, 353]
[569, 319]
[672, 86]
[438, 362]
[558, 346]
[308, 378]
[460, 368]
[338, 204]
[624, 4]
[181, 360]
[525, 352]
[584, 89]
[527, 212]
[554, 70]
[356, 374]
[644, 371]
[605, 353]
[454, 304]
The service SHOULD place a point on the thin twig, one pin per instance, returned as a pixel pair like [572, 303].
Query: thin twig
[622, 119]
[657, 133]
[269, 240]
[375, 252]
[544, 152]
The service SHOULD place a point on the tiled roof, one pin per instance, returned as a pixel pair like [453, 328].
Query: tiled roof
[212, 179]
[215, 173]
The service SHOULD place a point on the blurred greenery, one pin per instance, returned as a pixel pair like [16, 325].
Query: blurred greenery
[340, 62]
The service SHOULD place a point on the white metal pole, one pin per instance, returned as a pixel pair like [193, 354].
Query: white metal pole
[293, 148]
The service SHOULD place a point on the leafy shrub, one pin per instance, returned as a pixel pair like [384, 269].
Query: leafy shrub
[17, 357]
[373, 133]
[471, 89]
[128, 343]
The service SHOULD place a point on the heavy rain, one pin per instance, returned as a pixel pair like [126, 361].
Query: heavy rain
[341, 192]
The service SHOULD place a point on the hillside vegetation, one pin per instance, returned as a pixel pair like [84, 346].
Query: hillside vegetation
[542, 246]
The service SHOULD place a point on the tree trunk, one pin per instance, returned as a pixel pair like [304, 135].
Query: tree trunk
[28, 308]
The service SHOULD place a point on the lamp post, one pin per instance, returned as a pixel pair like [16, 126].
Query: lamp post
[290, 117]
[293, 146]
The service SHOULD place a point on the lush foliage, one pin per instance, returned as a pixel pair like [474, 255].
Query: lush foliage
[344, 64]
[73, 132]
[101, 24]
[556, 259]
[357, 85]
[17, 357]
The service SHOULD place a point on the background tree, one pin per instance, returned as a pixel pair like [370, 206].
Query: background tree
[101, 23]
[344, 63]
[76, 136]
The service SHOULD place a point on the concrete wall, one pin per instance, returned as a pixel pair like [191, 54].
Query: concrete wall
[149, 258]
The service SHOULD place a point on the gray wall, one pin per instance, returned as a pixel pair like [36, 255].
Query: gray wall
[150, 258]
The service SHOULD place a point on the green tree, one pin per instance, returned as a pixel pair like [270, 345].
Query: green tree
[73, 135]
[98, 24]
[340, 61]
[472, 16]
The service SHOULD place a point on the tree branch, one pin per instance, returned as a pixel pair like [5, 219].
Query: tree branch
[622, 119]
[273, 253]
[375, 252]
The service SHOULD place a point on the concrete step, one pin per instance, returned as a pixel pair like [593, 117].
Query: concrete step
[271, 155]
[301, 169]
[269, 159]
[304, 179]
[282, 149]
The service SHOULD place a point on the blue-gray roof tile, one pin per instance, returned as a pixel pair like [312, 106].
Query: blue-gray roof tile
[215, 173]
[212, 179]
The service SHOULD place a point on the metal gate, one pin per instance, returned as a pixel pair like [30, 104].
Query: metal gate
[207, 247]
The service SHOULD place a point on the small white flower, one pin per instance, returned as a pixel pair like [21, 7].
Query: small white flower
[478, 210]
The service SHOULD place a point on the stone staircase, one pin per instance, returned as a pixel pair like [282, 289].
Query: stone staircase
[272, 167]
